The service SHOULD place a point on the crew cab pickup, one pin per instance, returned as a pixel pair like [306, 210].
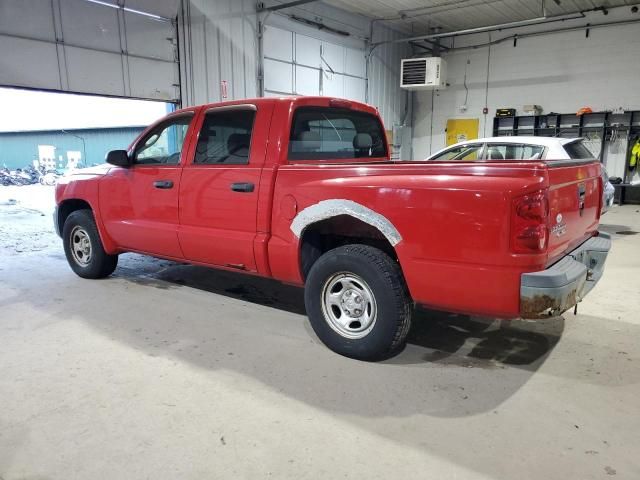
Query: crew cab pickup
[303, 190]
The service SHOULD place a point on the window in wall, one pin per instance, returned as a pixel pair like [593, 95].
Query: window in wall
[322, 133]
[225, 137]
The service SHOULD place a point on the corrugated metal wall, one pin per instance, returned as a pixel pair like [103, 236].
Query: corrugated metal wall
[19, 149]
[384, 76]
[219, 42]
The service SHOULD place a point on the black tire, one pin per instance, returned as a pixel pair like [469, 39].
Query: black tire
[384, 279]
[98, 264]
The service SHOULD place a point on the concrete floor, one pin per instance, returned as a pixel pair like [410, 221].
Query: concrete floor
[169, 371]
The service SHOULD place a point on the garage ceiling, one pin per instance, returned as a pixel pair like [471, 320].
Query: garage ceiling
[109, 47]
[420, 16]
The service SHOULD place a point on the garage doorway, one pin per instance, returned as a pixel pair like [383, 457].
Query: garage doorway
[60, 131]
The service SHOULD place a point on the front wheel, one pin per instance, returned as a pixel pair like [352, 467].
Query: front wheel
[83, 247]
[358, 303]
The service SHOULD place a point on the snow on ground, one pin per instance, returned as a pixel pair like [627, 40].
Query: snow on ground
[26, 228]
[32, 197]
[26, 222]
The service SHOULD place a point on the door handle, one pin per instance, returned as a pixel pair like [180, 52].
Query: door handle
[246, 187]
[163, 184]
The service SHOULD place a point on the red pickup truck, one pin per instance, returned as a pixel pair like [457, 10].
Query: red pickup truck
[303, 190]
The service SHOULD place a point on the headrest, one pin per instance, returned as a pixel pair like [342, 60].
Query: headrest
[310, 140]
[362, 141]
[237, 142]
[494, 154]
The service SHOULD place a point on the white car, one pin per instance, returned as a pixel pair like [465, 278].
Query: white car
[524, 148]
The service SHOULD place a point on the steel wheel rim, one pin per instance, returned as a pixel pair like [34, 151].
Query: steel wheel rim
[349, 305]
[80, 245]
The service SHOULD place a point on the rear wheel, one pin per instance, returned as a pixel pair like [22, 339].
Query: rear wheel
[358, 303]
[83, 247]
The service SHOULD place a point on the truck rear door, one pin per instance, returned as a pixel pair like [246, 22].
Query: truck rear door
[219, 186]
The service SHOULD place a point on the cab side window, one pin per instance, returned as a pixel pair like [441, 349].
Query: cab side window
[163, 145]
[225, 137]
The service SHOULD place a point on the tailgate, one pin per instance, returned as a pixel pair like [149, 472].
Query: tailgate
[575, 192]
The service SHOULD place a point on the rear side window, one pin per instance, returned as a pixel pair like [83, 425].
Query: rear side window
[513, 151]
[577, 151]
[225, 137]
[320, 133]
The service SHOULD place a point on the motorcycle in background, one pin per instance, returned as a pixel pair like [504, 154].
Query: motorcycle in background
[50, 177]
[29, 176]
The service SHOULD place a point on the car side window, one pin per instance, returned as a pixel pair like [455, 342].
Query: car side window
[225, 137]
[577, 151]
[513, 151]
[463, 153]
[163, 145]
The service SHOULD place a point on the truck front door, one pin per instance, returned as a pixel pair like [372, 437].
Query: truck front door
[219, 187]
[139, 204]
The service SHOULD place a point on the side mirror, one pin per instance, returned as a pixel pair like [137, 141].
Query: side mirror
[119, 158]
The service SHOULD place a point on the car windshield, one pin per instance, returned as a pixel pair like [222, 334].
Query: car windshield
[464, 153]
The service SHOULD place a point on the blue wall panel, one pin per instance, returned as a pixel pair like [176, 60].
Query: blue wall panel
[19, 149]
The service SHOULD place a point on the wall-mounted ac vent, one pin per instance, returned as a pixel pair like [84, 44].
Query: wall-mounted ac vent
[423, 73]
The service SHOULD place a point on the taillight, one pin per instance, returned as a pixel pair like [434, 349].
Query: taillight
[601, 187]
[529, 225]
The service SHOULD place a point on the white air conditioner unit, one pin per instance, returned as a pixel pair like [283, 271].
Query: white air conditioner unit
[423, 73]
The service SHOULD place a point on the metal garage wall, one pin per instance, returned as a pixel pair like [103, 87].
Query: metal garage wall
[86, 46]
[384, 85]
[313, 54]
[219, 56]
[218, 45]
[304, 65]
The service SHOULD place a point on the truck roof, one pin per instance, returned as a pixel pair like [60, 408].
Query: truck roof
[294, 99]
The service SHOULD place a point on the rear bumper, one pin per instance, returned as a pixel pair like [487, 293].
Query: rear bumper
[561, 286]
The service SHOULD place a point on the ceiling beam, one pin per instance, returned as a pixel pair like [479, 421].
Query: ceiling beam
[273, 8]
